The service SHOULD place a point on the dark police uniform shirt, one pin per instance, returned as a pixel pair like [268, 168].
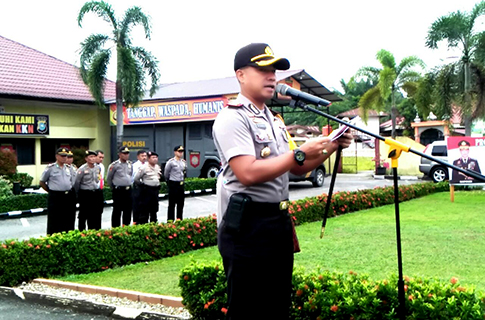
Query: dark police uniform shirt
[120, 174]
[58, 178]
[243, 129]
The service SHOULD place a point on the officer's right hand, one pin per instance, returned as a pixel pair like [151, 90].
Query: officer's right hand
[313, 147]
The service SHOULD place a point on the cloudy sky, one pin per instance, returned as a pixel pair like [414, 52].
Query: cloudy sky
[196, 40]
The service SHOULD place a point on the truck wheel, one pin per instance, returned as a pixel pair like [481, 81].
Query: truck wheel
[318, 178]
[211, 170]
[439, 174]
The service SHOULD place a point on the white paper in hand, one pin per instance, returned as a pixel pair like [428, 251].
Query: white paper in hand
[342, 129]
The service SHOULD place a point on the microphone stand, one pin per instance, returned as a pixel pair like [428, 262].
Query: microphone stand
[395, 150]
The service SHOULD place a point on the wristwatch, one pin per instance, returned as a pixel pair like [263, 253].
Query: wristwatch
[299, 156]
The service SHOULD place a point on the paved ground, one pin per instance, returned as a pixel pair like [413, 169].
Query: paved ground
[25, 228]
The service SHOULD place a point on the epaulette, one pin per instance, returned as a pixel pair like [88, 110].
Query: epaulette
[129, 161]
[170, 159]
[184, 160]
[235, 105]
[51, 164]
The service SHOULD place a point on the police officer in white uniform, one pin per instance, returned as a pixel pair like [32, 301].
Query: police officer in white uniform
[119, 178]
[58, 179]
[147, 180]
[255, 235]
[174, 172]
[89, 193]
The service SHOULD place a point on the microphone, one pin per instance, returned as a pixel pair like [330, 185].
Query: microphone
[299, 95]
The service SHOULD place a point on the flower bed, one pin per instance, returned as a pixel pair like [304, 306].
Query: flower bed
[326, 295]
[78, 252]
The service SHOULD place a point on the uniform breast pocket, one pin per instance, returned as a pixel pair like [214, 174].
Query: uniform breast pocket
[55, 173]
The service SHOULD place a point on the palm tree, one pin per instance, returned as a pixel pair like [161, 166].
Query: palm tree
[457, 29]
[131, 64]
[389, 79]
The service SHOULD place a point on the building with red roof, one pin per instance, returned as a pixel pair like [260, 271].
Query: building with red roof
[44, 104]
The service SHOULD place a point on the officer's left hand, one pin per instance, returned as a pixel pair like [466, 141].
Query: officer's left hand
[345, 140]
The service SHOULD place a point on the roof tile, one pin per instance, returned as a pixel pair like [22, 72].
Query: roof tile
[27, 72]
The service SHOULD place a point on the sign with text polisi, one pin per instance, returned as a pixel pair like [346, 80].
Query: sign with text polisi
[24, 124]
[467, 153]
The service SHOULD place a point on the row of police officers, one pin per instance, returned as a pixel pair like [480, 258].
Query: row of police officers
[135, 187]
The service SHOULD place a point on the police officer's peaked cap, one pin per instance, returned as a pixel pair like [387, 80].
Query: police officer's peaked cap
[124, 150]
[62, 151]
[259, 55]
[463, 144]
[70, 154]
[151, 153]
[90, 153]
[178, 148]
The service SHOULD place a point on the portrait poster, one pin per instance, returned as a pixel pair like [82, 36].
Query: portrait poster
[467, 153]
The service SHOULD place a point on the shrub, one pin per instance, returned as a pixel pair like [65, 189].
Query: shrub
[8, 162]
[24, 178]
[5, 188]
[23, 202]
[78, 252]
[331, 295]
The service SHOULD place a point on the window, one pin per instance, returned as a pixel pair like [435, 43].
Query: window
[24, 148]
[439, 151]
[195, 131]
[48, 147]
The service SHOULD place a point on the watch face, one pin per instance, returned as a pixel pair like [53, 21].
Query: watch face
[300, 156]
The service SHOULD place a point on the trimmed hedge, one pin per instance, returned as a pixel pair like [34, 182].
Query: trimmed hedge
[33, 201]
[329, 295]
[78, 252]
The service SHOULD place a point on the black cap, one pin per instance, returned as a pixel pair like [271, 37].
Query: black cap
[259, 55]
[463, 144]
[70, 154]
[62, 151]
[90, 153]
[151, 153]
[178, 148]
[124, 150]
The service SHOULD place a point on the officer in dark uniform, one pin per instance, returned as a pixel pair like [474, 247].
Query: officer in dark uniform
[465, 162]
[174, 173]
[147, 179]
[90, 195]
[119, 178]
[58, 179]
[255, 235]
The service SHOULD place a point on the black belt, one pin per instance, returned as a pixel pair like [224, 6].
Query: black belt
[90, 190]
[59, 192]
[268, 208]
[122, 187]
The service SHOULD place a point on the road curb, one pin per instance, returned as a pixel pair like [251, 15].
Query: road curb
[391, 177]
[82, 305]
[107, 203]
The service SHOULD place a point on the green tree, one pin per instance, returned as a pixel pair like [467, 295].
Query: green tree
[462, 81]
[391, 79]
[132, 63]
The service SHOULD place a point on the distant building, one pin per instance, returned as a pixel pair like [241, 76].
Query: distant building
[44, 105]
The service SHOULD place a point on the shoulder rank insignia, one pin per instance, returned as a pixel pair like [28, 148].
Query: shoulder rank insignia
[254, 109]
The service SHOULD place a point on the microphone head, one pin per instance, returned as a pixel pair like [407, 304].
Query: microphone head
[282, 88]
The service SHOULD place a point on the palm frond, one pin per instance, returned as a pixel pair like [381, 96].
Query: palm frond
[89, 48]
[370, 73]
[96, 76]
[479, 77]
[101, 8]
[410, 87]
[408, 76]
[131, 76]
[477, 11]
[451, 28]
[387, 79]
[410, 62]
[150, 64]
[445, 91]
[133, 16]
[372, 99]
[386, 59]
[424, 95]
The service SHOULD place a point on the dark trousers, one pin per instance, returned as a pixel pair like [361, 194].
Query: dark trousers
[136, 201]
[61, 211]
[148, 204]
[91, 205]
[176, 196]
[258, 262]
[122, 204]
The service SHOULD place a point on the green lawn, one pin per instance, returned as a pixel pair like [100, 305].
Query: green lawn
[439, 239]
